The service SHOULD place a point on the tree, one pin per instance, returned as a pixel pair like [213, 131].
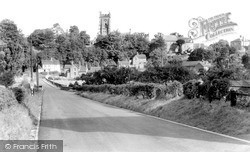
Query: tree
[142, 44]
[128, 46]
[57, 29]
[12, 54]
[7, 78]
[246, 61]
[112, 44]
[85, 37]
[72, 46]
[155, 58]
[179, 43]
[157, 42]
[201, 54]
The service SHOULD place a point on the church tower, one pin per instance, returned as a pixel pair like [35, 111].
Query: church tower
[104, 27]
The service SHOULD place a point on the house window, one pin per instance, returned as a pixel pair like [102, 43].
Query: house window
[74, 69]
[74, 73]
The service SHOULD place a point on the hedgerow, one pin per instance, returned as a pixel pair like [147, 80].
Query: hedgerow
[146, 90]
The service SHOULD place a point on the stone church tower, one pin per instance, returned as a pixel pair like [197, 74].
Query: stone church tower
[104, 27]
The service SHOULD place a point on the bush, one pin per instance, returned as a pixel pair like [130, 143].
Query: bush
[71, 85]
[7, 79]
[146, 90]
[219, 89]
[190, 89]
[19, 94]
[174, 88]
[167, 73]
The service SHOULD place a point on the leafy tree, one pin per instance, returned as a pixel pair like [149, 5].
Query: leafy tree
[7, 78]
[179, 43]
[57, 29]
[128, 46]
[111, 43]
[246, 61]
[201, 54]
[85, 37]
[157, 42]
[12, 55]
[142, 44]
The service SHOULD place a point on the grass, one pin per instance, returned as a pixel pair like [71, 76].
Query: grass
[218, 116]
[19, 121]
[15, 123]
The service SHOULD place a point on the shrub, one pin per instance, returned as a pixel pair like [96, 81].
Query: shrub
[219, 88]
[167, 73]
[146, 90]
[7, 79]
[19, 94]
[174, 88]
[190, 89]
[71, 85]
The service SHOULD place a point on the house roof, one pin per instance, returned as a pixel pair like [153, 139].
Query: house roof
[181, 57]
[124, 62]
[94, 69]
[236, 40]
[241, 83]
[190, 63]
[141, 56]
[194, 63]
[51, 62]
[68, 66]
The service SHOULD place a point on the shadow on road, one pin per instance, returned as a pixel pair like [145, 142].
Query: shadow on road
[137, 125]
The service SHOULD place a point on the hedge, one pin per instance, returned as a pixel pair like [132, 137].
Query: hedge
[146, 90]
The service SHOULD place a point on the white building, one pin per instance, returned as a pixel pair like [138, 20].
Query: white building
[51, 65]
[139, 61]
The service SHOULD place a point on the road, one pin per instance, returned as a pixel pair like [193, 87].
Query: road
[85, 125]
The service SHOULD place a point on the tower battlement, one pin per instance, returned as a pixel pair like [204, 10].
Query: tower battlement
[104, 27]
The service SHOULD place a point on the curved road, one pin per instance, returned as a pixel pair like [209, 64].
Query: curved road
[84, 125]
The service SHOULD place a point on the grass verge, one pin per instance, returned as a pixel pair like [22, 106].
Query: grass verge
[217, 117]
[15, 123]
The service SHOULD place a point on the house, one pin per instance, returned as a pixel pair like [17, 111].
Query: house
[76, 70]
[51, 65]
[242, 85]
[124, 63]
[83, 69]
[139, 61]
[169, 40]
[196, 66]
[71, 70]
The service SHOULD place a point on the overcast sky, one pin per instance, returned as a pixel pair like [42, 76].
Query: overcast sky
[149, 16]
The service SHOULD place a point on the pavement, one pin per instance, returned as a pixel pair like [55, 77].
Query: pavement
[88, 126]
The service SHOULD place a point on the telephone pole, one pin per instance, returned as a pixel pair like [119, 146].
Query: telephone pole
[31, 62]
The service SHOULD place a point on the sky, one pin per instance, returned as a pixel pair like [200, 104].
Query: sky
[148, 16]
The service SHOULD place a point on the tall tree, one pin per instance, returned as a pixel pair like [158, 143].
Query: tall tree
[112, 44]
[12, 54]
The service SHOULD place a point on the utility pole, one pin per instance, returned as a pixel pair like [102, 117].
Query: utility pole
[31, 62]
[37, 74]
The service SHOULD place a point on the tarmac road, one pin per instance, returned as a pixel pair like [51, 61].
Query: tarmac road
[85, 125]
